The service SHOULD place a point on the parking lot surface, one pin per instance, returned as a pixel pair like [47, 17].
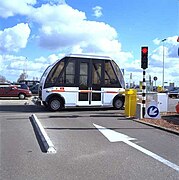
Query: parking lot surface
[82, 150]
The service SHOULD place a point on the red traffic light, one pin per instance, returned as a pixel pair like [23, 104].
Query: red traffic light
[144, 50]
[144, 57]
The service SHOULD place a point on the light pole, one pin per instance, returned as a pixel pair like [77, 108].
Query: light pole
[163, 40]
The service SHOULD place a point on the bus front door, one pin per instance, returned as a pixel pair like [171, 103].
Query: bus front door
[96, 78]
[89, 83]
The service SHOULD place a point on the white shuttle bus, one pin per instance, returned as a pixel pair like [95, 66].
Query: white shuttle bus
[82, 80]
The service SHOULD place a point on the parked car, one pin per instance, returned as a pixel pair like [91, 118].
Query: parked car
[34, 89]
[4, 83]
[14, 91]
[29, 83]
[174, 93]
[21, 85]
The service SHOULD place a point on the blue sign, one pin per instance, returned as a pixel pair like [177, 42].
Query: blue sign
[153, 111]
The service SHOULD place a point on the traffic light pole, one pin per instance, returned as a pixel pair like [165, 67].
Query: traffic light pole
[144, 65]
[143, 94]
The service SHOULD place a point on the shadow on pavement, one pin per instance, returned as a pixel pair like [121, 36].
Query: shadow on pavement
[39, 140]
[172, 119]
[35, 108]
[21, 108]
[82, 129]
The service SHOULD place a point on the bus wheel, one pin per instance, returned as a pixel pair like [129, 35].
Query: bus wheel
[54, 104]
[118, 103]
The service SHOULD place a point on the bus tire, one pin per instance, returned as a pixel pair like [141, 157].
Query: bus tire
[118, 103]
[55, 104]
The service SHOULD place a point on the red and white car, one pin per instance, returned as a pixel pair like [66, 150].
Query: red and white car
[8, 90]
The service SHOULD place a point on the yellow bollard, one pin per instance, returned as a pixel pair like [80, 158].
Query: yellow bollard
[130, 102]
[159, 89]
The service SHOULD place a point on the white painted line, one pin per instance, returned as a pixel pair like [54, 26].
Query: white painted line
[153, 155]
[114, 136]
[44, 137]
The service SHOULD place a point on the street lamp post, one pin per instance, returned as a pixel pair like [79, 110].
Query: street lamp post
[163, 77]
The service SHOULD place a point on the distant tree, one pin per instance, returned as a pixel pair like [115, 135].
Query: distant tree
[2, 78]
[35, 78]
[22, 76]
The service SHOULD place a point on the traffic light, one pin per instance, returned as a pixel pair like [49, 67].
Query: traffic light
[144, 57]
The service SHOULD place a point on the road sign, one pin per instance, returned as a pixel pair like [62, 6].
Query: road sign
[155, 78]
[152, 110]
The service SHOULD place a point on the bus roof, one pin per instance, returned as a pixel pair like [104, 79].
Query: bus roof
[88, 56]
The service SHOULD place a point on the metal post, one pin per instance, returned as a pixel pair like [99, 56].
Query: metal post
[163, 74]
[143, 94]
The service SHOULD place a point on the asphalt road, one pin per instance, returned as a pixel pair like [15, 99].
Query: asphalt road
[83, 152]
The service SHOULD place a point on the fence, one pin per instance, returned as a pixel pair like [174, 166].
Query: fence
[164, 101]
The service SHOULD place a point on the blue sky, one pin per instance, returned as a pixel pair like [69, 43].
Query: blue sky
[35, 33]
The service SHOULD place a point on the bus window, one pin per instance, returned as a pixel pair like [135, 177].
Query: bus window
[83, 74]
[96, 76]
[67, 76]
[54, 73]
[70, 73]
[110, 76]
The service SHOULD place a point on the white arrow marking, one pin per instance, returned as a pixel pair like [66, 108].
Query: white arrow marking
[153, 111]
[114, 136]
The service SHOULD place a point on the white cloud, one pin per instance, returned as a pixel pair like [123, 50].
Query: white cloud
[12, 66]
[173, 46]
[2, 64]
[15, 38]
[97, 11]
[155, 67]
[172, 40]
[157, 41]
[61, 28]
[60, 14]
[9, 8]
[58, 30]
[53, 57]
[171, 64]
[170, 43]
[168, 40]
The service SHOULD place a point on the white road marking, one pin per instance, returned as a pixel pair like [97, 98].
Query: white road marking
[114, 136]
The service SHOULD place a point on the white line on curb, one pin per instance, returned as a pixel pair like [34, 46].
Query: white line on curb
[43, 135]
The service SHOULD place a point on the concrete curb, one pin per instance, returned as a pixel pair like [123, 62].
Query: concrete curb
[158, 127]
[43, 135]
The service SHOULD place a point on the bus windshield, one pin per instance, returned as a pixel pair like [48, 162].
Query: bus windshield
[45, 72]
[119, 74]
